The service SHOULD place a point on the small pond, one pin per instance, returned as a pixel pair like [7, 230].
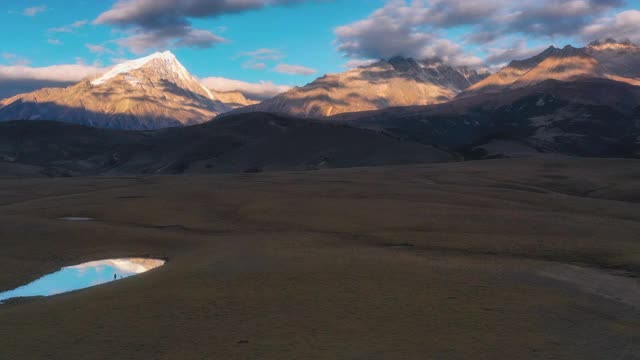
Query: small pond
[82, 276]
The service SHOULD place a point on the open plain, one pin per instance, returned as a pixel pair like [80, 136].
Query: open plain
[533, 258]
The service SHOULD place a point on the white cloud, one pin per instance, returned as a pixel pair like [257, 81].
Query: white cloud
[159, 13]
[624, 25]
[21, 78]
[178, 36]
[33, 11]
[61, 73]
[69, 28]
[395, 30]
[518, 50]
[355, 63]
[294, 69]
[164, 23]
[99, 49]
[257, 59]
[126, 266]
[199, 39]
[54, 41]
[419, 28]
[254, 65]
[263, 54]
[14, 59]
[258, 91]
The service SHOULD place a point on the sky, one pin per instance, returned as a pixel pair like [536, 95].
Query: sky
[262, 47]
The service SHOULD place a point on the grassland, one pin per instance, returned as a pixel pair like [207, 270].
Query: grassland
[502, 259]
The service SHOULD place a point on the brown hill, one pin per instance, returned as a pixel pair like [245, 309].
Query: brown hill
[585, 117]
[237, 143]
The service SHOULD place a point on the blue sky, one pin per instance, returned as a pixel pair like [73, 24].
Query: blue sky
[303, 34]
[265, 41]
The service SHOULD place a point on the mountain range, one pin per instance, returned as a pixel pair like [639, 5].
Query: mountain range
[585, 117]
[573, 101]
[398, 81]
[608, 60]
[157, 91]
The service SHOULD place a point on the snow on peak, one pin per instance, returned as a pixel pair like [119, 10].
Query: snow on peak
[167, 57]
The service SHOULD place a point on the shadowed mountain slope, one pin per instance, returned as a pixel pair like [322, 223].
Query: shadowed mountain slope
[563, 101]
[249, 142]
[586, 117]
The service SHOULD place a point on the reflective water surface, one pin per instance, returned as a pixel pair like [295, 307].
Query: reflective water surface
[83, 276]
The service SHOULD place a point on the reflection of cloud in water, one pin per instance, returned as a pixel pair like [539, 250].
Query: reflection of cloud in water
[98, 282]
[53, 292]
[125, 266]
[82, 276]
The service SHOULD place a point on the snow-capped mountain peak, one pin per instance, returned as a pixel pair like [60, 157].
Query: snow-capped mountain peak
[131, 65]
[152, 92]
[165, 60]
[155, 67]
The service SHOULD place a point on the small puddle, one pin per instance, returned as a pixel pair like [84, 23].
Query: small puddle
[76, 218]
[82, 276]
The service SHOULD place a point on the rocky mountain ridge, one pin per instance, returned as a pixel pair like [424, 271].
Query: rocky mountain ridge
[618, 61]
[398, 81]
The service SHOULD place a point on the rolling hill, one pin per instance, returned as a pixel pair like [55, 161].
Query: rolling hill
[241, 143]
[585, 117]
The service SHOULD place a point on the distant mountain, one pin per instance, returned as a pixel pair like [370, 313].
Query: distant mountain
[621, 58]
[572, 101]
[583, 117]
[148, 93]
[608, 60]
[396, 82]
[238, 143]
[234, 99]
